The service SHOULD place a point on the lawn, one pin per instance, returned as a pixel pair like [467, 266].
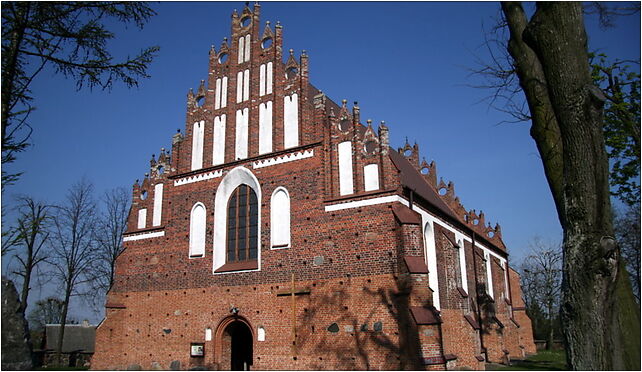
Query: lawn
[553, 360]
[64, 368]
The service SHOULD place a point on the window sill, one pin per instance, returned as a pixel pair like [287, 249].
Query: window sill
[144, 230]
[238, 266]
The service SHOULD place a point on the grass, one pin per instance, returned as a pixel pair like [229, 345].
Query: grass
[63, 368]
[553, 360]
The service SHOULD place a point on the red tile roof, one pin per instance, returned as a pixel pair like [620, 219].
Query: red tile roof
[406, 215]
[416, 265]
[424, 315]
[413, 180]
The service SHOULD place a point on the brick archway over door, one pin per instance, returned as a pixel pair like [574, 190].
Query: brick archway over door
[234, 343]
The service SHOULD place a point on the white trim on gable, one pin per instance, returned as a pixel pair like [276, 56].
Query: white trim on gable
[246, 56]
[291, 121]
[371, 177]
[149, 235]
[142, 218]
[283, 159]
[346, 175]
[268, 83]
[158, 204]
[199, 177]
[198, 134]
[218, 140]
[242, 126]
[241, 49]
[265, 127]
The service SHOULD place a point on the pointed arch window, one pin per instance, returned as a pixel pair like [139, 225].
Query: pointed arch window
[237, 223]
[280, 218]
[197, 230]
[489, 275]
[431, 258]
[242, 225]
[461, 252]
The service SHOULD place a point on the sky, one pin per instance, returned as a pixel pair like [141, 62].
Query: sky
[408, 63]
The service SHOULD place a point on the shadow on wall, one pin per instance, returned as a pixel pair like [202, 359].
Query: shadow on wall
[361, 338]
[487, 305]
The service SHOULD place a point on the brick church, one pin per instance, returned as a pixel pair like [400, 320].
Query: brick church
[281, 231]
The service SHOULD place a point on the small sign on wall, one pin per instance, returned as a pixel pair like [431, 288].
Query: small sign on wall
[197, 349]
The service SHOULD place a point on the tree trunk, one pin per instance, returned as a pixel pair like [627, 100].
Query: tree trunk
[63, 323]
[544, 129]
[29, 264]
[600, 320]
[550, 337]
[26, 281]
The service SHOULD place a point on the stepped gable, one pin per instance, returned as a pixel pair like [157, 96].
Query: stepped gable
[278, 209]
[413, 180]
[447, 203]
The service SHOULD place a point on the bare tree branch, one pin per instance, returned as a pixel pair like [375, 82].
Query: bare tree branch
[73, 245]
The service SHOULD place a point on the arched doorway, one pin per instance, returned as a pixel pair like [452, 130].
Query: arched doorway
[235, 340]
[240, 346]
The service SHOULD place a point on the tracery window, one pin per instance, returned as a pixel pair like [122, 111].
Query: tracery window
[242, 225]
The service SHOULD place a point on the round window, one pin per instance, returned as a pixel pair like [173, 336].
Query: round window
[245, 21]
[222, 58]
[291, 73]
[344, 125]
[371, 147]
[266, 43]
[143, 195]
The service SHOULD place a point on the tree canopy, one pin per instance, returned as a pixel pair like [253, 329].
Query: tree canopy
[621, 89]
[72, 38]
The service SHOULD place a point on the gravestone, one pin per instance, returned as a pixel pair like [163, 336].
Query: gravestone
[175, 365]
[16, 343]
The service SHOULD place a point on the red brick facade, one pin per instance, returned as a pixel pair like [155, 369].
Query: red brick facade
[378, 275]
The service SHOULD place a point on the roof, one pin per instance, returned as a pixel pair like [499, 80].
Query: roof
[413, 180]
[424, 315]
[406, 215]
[78, 337]
[416, 265]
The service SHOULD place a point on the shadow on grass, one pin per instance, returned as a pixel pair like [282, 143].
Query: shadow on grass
[543, 361]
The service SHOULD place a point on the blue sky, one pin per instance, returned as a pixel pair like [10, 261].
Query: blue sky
[407, 63]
